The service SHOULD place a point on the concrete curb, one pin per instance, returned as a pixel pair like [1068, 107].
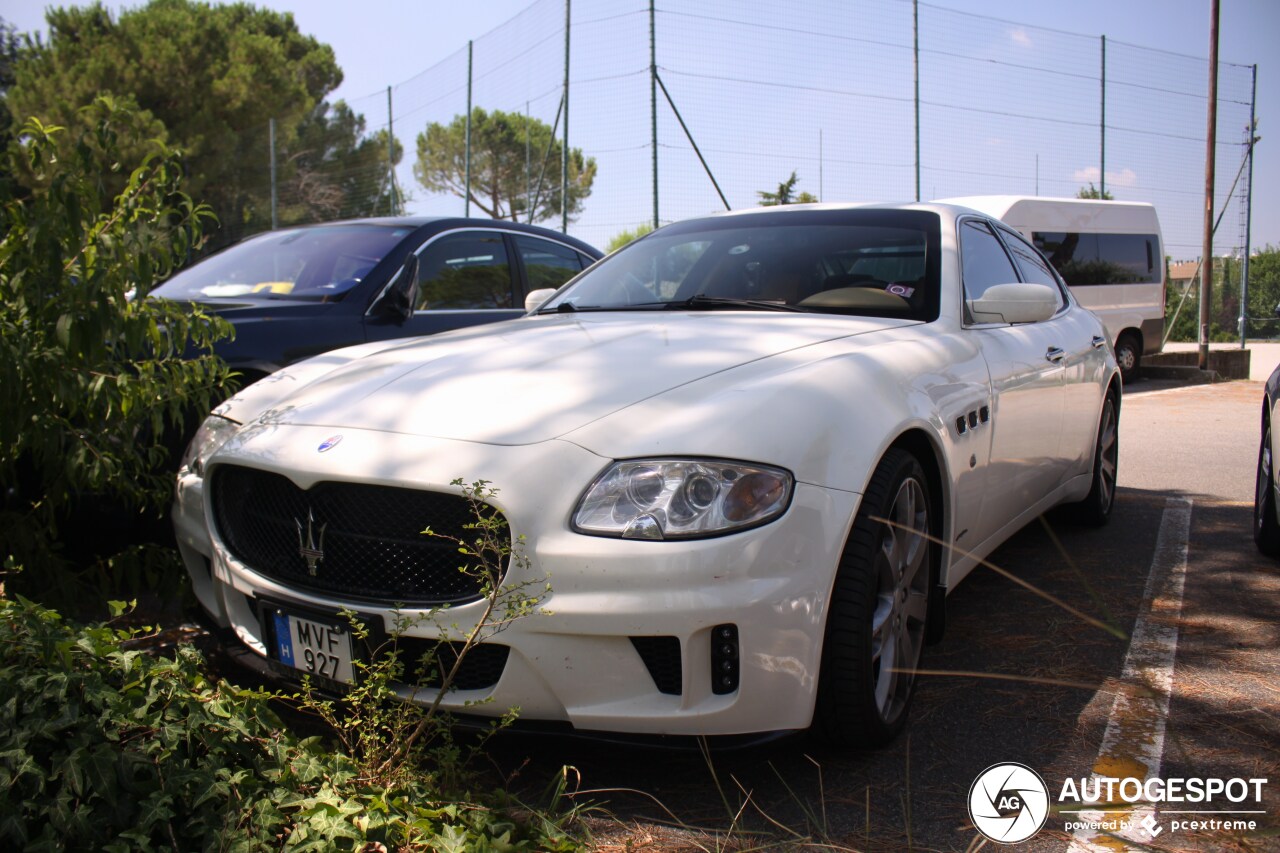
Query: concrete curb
[1228, 364]
[1179, 373]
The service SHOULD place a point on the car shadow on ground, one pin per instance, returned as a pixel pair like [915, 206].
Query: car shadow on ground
[1017, 678]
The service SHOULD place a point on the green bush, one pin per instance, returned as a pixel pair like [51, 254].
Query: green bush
[106, 747]
[93, 375]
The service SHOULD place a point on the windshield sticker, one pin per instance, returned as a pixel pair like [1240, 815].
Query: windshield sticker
[900, 290]
[739, 250]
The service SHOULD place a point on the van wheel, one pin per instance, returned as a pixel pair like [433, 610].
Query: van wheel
[879, 610]
[1128, 356]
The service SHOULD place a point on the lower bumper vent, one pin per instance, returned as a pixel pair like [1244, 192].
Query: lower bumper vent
[661, 656]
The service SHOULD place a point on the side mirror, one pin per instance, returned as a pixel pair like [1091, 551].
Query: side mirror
[1018, 302]
[536, 298]
[401, 295]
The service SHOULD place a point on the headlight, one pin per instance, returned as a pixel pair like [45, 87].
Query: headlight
[681, 499]
[213, 433]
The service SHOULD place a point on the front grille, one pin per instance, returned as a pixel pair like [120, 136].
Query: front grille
[661, 656]
[373, 546]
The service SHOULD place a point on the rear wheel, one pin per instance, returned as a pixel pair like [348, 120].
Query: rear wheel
[879, 610]
[1095, 509]
[1128, 356]
[1266, 529]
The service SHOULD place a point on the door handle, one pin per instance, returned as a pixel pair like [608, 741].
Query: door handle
[1055, 354]
[1099, 341]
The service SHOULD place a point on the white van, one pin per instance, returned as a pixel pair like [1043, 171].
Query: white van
[1109, 252]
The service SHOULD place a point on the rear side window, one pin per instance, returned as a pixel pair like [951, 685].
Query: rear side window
[547, 264]
[467, 270]
[1084, 258]
[1032, 264]
[985, 262]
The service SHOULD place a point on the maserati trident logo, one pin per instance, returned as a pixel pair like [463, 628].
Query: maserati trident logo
[311, 548]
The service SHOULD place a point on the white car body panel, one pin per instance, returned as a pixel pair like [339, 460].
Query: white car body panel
[542, 405]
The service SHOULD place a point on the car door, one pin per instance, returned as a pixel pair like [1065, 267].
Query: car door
[1083, 343]
[1025, 364]
[465, 278]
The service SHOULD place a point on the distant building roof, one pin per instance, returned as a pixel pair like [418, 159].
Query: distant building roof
[1183, 270]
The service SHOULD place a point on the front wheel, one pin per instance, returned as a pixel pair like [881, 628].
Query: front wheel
[879, 610]
[1266, 529]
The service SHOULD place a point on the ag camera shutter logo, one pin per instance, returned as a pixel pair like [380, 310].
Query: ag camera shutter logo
[1008, 803]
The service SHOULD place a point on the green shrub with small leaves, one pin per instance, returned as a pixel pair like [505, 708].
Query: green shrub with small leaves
[93, 375]
[104, 746]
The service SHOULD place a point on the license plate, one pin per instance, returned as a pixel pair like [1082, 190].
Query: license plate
[318, 647]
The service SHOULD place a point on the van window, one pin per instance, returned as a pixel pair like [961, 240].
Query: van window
[1084, 259]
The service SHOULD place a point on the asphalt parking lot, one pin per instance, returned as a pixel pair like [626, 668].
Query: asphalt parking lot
[1044, 674]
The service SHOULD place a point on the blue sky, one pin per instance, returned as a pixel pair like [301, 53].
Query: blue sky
[374, 52]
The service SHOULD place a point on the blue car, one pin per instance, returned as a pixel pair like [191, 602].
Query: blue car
[297, 292]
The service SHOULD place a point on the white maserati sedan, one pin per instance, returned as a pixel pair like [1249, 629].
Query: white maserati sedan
[751, 454]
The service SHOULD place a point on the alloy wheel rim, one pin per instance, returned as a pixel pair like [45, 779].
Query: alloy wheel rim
[1264, 481]
[897, 625]
[1108, 455]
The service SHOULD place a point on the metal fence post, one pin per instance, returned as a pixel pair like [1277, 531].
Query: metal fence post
[1102, 123]
[271, 134]
[391, 158]
[1248, 213]
[564, 155]
[915, 51]
[466, 207]
[528, 167]
[653, 106]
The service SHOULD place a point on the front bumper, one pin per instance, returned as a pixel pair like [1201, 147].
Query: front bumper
[574, 660]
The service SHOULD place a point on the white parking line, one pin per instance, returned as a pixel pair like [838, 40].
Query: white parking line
[1133, 745]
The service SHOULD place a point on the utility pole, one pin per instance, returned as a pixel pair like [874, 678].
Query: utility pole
[1211, 139]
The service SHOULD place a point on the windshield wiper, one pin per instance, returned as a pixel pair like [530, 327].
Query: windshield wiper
[570, 308]
[702, 300]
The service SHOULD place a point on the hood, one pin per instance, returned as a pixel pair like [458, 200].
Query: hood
[537, 378]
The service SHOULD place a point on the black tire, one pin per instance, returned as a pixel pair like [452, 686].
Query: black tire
[876, 624]
[1095, 509]
[1128, 356]
[1266, 529]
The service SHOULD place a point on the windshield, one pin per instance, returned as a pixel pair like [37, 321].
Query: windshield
[319, 263]
[866, 262]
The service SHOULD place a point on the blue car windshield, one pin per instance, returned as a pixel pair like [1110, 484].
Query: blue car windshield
[884, 265]
[315, 263]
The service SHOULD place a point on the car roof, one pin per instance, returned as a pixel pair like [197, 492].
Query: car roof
[443, 222]
[791, 209]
